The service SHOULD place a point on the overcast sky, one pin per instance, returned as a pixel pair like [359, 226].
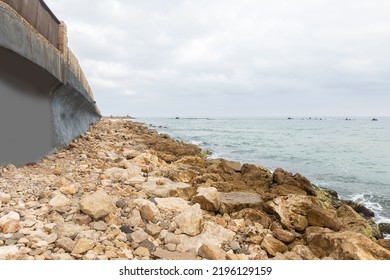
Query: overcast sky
[236, 58]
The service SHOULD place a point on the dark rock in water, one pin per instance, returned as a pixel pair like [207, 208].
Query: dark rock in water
[385, 228]
[374, 119]
[361, 209]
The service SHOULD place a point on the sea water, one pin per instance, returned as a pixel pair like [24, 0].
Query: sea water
[351, 156]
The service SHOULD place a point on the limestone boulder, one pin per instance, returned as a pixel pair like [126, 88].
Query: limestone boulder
[172, 204]
[211, 252]
[117, 174]
[256, 176]
[347, 245]
[97, 205]
[323, 218]
[208, 199]
[164, 187]
[273, 245]
[292, 210]
[254, 215]
[236, 201]
[148, 210]
[281, 177]
[353, 221]
[283, 235]
[190, 222]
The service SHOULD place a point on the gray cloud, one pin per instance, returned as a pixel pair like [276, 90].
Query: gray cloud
[233, 58]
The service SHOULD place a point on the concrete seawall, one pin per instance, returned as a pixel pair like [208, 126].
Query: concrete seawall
[45, 101]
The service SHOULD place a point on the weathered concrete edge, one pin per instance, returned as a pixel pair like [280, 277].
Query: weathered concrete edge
[73, 108]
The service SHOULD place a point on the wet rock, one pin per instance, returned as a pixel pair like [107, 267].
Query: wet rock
[272, 245]
[384, 228]
[97, 205]
[207, 198]
[191, 221]
[236, 201]
[346, 245]
[211, 252]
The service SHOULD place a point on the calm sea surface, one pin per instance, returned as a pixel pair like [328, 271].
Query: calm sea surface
[349, 156]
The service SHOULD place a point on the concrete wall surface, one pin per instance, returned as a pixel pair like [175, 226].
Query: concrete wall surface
[43, 104]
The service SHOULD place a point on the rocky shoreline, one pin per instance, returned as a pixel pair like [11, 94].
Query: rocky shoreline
[123, 191]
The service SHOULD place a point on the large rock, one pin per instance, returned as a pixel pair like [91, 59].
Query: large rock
[254, 215]
[282, 177]
[323, 218]
[212, 234]
[292, 210]
[352, 221]
[191, 221]
[211, 252]
[273, 245]
[60, 202]
[208, 199]
[256, 176]
[122, 174]
[163, 187]
[172, 204]
[97, 205]
[236, 201]
[346, 245]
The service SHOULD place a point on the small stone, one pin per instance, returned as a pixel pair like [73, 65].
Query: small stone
[126, 229]
[82, 219]
[102, 226]
[5, 197]
[168, 255]
[52, 238]
[170, 247]
[59, 201]
[142, 252]
[153, 229]
[11, 216]
[231, 257]
[148, 244]
[272, 245]
[97, 205]
[10, 227]
[67, 230]
[139, 236]
[68, 189]
[234, 245]
[191, 221]
[83, 245]
[284, 235]
[66, 243]
[121, 203]
[57, 170]
[211, 252]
